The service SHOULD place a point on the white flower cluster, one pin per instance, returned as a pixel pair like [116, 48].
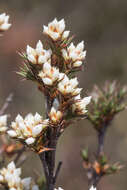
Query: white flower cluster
[4, 25]
[3, 123]
[74, 55]
[38, 55]
[29, 128]
[69, 86]
[51, 75]
[55, 30]
[10, 177]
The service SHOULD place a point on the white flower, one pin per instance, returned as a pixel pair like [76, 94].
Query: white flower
[55, 30]
[74, 55]
[11, 166]
[12, 133]
[3, 123]
[12, 188]
[49, 74]
[77, 64]
[80, 105]
[1, 178]
[38, 55]
[4, 25]
[55, 115]
[93, 188]
[59, 188]
[30, 140]
[28, 128]
[10, 176]
[26, 183]
[69, 87]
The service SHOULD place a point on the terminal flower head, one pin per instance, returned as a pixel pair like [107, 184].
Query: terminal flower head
[54, 115]
[3, 123]
[74, 54]
[4, 25]
[49, 74]
[55, 30]
[38, 55]
[29, 128]
[79, 107]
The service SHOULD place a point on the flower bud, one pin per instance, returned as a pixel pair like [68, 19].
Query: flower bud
[55, 116]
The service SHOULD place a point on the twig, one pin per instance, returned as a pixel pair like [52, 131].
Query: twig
[101, 136]
[48, 158]
[46, 170]
[57, 171]
[94, 177]
[6, 104]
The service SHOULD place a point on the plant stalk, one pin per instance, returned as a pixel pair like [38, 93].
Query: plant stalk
[48, 158]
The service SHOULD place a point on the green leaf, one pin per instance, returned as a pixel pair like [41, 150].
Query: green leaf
[84, 154]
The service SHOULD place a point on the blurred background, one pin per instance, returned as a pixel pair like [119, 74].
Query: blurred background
[103, 26]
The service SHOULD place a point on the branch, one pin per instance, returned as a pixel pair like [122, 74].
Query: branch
[101, 136]
[6, 104]
[93, 176]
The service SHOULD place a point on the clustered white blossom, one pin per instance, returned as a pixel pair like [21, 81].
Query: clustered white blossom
[69, 86]
[38, 55]
[3, 123]
[4, 25]
[74, 55]
[55, 30]
[11, 177]
[50, 75]
[29, 128]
